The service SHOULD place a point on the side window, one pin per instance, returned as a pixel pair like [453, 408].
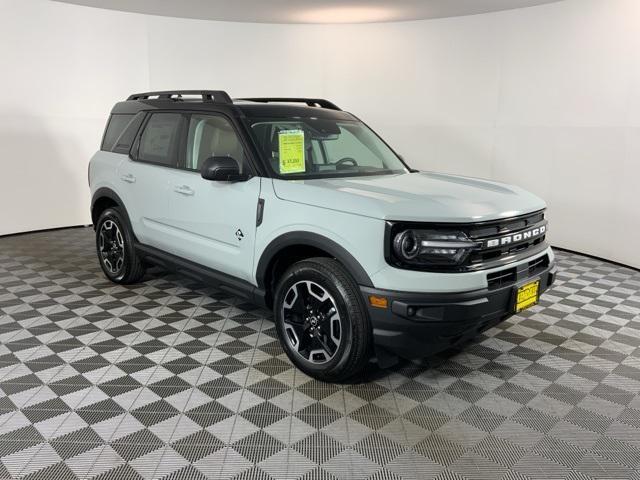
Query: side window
[115, 127]
[212, 136]
[160, 139]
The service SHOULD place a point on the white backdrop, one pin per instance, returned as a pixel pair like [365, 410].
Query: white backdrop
[546, 97]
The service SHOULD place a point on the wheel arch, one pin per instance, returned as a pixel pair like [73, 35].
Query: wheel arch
[293, 246]
[105, 198]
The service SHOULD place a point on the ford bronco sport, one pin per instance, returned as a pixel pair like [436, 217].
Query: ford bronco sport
[300, 207]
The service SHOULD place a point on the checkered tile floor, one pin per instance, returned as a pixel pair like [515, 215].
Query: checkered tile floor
[172, 379]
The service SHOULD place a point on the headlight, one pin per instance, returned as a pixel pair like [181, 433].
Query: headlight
[406, 245]
[431, 247]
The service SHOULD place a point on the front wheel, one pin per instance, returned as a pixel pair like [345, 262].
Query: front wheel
[115, 248]
[321, 320]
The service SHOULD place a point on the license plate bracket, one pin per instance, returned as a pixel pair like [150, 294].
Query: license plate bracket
[526, 295]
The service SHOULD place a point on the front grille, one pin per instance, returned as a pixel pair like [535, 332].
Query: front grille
[508, 276]
[483, 257]
[538, 265]
[501, 278]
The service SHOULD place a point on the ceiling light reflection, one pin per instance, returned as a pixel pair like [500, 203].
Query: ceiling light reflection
[346, 14]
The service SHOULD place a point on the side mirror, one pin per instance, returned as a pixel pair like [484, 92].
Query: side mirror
[222, 169]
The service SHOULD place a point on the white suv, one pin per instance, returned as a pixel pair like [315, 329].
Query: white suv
[300, 207]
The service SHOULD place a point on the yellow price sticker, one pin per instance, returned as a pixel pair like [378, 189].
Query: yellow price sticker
[291, 144]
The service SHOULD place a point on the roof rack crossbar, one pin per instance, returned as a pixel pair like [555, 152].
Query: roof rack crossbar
[219, 96]
[312, 102]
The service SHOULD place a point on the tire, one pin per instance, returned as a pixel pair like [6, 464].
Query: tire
[308, 297]
[115, 247]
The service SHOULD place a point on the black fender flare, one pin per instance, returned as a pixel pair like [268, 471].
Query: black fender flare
[314, 240]
[105, 192]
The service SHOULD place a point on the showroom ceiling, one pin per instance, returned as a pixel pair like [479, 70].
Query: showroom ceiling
[305, 11]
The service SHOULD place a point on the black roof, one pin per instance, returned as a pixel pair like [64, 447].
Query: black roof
[287, 110]
[218, 100]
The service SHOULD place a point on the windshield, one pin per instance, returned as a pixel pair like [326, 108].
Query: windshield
[318, 147]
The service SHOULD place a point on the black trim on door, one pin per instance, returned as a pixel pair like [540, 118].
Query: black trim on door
[260, 212]
[223, 281]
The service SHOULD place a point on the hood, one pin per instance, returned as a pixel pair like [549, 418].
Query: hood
[420, 197]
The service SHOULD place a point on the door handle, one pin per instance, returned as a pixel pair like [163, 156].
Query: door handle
[129, 178]
[184, 190]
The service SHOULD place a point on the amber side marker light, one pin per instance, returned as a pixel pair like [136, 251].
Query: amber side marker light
[378, 302]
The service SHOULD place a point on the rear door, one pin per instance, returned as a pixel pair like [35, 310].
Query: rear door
[144, 177]
[213, 223]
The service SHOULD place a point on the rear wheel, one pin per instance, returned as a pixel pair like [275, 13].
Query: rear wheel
[115, 248]
[321, 321]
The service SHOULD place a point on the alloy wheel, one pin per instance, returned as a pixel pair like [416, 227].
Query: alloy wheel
[111, 246]
[311, 322]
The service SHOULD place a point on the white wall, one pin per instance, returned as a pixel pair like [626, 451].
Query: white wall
[546, 97]
[62, 68]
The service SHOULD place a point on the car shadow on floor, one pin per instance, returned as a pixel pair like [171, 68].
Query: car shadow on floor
[372, 373]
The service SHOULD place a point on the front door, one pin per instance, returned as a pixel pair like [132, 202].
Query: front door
[214, 222]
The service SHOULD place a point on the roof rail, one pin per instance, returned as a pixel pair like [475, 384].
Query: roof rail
[312, 102]
[218, 96]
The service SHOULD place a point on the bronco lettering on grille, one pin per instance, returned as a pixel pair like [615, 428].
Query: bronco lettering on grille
[516, 237]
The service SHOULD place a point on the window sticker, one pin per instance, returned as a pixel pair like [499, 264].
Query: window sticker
[291, 144]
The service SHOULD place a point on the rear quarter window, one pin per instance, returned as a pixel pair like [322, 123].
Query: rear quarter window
[115, 127]
[126, 139]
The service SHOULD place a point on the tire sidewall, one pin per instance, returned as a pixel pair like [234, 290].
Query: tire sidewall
[115, 216]
[306, 271]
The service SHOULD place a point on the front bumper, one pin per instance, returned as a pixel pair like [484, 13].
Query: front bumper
[416, 325]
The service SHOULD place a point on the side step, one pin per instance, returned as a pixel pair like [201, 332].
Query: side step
[223, 281]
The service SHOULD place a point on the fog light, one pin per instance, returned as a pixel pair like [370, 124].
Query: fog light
[378, 302]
